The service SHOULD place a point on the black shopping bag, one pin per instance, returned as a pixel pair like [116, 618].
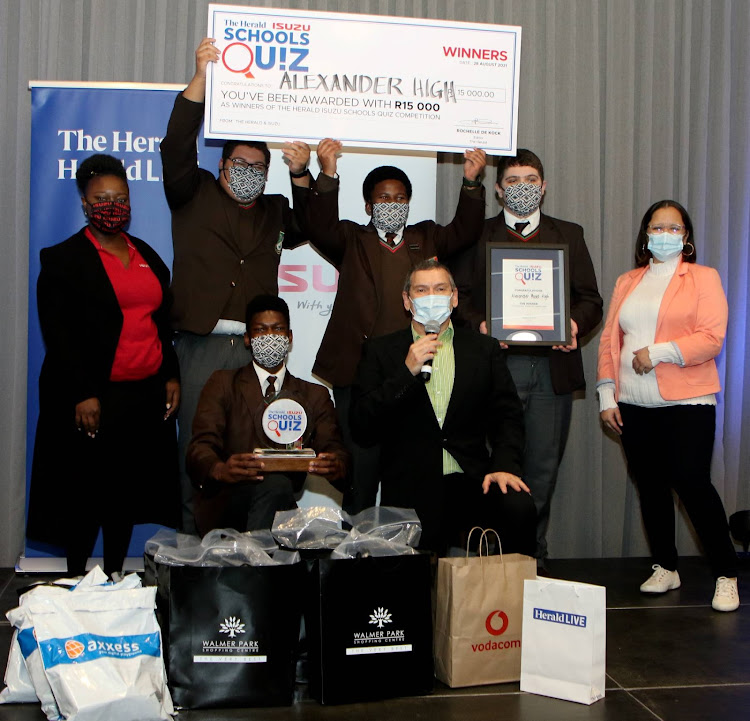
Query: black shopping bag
[369, 628]
[230, 634]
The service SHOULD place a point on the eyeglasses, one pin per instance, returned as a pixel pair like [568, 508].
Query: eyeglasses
[242, 163]
[673, 229]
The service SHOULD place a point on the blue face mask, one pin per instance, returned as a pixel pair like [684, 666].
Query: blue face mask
[665, 246]
[432, 308]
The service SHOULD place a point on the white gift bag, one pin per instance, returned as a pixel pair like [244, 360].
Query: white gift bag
[564, 640]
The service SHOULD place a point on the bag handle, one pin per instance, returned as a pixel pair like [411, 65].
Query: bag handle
[468, 540]
[483, 537]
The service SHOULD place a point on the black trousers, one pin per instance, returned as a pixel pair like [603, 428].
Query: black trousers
[124, 476]
[670, 448]
[363, 477]
[248, 506]
[457, 504]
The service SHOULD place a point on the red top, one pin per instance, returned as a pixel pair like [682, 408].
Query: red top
[138, 292]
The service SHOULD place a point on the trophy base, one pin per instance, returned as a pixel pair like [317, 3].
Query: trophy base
[281, 459]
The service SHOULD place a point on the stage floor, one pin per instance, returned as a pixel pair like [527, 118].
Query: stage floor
[669, 657]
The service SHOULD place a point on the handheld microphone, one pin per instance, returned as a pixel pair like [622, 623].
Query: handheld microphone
[431, 326]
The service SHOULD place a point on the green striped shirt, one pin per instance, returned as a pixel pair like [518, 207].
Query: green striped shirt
[440, 386]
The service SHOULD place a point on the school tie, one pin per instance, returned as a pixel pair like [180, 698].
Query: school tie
[520, 226]
[389, 239]
[270, 390]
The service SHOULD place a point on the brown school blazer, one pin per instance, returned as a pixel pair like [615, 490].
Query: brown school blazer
[355, 251]
[220, 249]
[224, 423]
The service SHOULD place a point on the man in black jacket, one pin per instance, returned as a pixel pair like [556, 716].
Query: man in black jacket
[435, 434]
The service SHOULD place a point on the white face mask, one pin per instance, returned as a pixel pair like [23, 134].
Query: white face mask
[269, 351]
[522, 199]
[390, 217]
[436, 308]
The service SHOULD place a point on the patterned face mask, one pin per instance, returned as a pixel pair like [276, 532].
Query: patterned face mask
[269, 350]
[108, 216]
[522, 199]
[246, 183]
[390, 217]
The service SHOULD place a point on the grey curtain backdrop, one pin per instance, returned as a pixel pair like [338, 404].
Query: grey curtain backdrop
[626, 102]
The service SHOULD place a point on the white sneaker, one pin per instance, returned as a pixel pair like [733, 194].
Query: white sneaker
[726, 596]
[661, 580]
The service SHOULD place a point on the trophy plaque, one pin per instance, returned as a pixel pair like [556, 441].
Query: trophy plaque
[284, 427]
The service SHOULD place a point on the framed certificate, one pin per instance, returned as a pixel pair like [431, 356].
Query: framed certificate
[528, 296]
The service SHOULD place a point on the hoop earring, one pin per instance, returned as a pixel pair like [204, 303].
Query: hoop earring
[692, 252]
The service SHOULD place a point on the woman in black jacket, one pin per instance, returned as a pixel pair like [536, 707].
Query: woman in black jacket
[105, 451]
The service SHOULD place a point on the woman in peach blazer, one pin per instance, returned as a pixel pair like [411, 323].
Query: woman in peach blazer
[657, 381]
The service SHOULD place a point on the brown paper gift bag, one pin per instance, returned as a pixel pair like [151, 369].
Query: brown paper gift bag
[479, 616]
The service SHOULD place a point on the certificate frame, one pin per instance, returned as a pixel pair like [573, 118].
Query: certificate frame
[533, 307]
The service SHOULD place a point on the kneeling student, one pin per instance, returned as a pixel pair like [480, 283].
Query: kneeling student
[233, 489]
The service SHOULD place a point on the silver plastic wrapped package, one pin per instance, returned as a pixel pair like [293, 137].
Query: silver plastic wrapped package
[400, 525]
[377, 531]
[220, 547]
[318, 527]
[364, 545]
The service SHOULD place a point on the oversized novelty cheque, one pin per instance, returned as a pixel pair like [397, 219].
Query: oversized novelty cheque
[371, 81]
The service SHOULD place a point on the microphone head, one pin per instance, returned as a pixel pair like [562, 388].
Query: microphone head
[432, 326]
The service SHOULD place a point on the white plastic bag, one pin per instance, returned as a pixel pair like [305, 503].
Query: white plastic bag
[102, 654]
[21, 620]
[25, 678]
[18, 685]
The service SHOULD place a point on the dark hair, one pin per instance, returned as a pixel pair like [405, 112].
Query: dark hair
[522, 157]
[99, 164]
[429, 264]
[262, 303]
[230, 145]
[384, 172]
[643, 254]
